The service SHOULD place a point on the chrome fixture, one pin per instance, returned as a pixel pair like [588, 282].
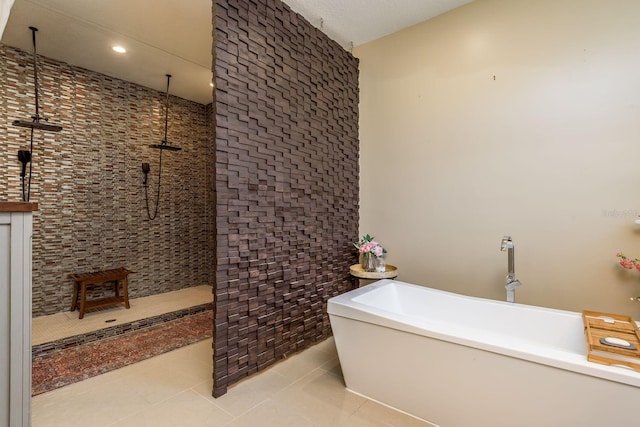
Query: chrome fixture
[512, 283]
[35, 122]
[162, 147]
[165, 143]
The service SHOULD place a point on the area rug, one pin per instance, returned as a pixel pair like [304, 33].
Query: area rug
[64, 367]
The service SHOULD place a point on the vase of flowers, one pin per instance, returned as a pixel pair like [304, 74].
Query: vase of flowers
[369, 251]
[628, 263]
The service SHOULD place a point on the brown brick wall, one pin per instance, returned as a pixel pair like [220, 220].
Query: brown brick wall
[87, 179]
[286, 183]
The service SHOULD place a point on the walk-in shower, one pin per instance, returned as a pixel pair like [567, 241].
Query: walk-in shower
[37, 122]
[146, 168]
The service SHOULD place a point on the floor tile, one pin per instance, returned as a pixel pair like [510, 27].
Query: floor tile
[96, 407]
[299, 365]
[271, 414]
[373, 414]
[247, 394]
[185, 409]
[322, 397]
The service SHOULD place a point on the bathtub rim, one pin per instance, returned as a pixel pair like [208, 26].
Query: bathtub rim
[344, 306]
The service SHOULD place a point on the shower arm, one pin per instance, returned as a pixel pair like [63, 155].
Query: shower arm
[35, 73]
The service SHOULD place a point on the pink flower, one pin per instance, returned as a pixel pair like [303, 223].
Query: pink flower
[626, 263]
[367, 245]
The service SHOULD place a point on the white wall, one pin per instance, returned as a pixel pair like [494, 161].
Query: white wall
[518, 118]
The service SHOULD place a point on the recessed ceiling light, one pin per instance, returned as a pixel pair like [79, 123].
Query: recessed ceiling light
[211, 84]
[119, 49]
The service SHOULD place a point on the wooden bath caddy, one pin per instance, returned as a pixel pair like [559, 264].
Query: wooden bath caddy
[599, 326]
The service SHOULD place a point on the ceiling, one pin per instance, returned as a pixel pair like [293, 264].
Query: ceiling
[174, 36]
[361, 21]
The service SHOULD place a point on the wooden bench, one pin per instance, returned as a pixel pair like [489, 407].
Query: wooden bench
[83, 280]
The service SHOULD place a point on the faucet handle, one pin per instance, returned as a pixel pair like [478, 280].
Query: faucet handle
[512, 285]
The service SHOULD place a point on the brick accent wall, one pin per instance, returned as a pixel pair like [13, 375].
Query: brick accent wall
[87, 179]
[286, 102]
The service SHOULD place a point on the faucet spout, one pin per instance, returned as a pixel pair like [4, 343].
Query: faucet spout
[507, 245]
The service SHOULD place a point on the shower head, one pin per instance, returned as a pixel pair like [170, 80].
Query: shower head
[36, 124]
[165, 146]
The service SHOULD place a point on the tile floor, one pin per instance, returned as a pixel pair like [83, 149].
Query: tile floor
[174, 389]
[66, 324]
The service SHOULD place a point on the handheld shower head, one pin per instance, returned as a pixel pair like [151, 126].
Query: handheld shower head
[24, 156]
[145, 170]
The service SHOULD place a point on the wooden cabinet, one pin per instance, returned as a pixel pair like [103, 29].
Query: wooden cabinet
[15, 313]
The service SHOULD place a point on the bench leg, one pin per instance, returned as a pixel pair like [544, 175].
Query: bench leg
[74, 301]
[125, 292]
[83, 299]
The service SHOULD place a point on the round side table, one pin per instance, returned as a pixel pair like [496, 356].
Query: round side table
[366, 277]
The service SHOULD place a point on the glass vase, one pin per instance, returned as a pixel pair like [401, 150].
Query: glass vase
[368, 262]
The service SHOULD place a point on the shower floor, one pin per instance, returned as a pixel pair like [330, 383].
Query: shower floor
[67, 349]
[58, 326]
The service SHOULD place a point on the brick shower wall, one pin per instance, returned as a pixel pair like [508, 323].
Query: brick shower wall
[286, 183]
[87, 179]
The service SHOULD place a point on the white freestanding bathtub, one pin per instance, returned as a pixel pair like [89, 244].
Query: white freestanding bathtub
[458, 361]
